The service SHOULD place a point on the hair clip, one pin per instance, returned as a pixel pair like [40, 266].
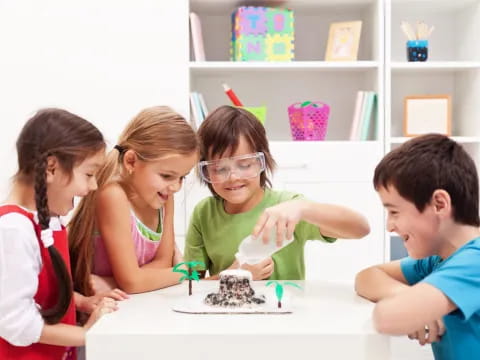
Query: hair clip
[120, 149]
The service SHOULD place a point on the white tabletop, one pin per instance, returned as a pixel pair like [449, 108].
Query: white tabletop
[328, 319]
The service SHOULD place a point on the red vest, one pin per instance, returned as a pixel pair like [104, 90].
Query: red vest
[46, 296]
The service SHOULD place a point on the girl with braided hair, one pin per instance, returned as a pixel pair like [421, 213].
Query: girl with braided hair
[58, 155]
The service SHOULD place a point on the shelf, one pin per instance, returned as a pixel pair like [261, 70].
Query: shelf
[327, 142]
[459, 139]
[436, 5]
[434, 66]
[215, 67]
[221, 6]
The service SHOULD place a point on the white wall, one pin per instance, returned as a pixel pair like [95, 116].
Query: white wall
[104, 60]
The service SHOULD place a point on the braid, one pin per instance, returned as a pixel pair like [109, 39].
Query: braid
[40, 186]
[65, 292]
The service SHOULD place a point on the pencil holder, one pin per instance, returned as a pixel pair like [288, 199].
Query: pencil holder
[417, 50]
[260, 112]
[308, 120]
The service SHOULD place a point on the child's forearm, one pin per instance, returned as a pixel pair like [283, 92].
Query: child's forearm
[177, 256]
[148, 278]
[213, 277]
[79, 301]
[165, 251]
[160, 262]
[63, 335]
[375, 284]
[335, 221]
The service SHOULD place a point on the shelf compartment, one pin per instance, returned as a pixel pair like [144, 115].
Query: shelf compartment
[463, 85]
[279, 89]
[457, 25]
[312, 21]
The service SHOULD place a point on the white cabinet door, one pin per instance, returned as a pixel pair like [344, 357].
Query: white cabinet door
[337, 173]
[185, 201]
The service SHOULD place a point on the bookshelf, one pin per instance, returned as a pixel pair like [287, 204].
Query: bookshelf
[453, 68]
[276, 85]
[310, 76]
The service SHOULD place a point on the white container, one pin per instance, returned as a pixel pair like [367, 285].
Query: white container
[251, 251]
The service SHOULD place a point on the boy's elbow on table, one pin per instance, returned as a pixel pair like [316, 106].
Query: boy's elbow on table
[384, 319]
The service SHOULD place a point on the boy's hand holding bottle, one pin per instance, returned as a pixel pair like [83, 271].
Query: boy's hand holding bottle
[273, 231]
[280, 219]
[260, 271]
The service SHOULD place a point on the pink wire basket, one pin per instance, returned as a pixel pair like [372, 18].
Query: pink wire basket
[308, 120]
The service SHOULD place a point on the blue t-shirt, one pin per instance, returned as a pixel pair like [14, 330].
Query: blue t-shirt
[458, 277]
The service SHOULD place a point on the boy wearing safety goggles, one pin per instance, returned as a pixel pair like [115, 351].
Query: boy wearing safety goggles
[235, 163]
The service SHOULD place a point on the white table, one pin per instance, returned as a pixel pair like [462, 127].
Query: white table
[329, 321]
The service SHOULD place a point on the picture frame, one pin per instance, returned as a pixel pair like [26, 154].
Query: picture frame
[343, 41]
[424, 114]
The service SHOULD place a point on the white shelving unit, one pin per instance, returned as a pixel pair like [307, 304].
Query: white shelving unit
[335, 170]
[306, 78]
[453, 67]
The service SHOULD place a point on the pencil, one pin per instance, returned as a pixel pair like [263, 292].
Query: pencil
[231, 95]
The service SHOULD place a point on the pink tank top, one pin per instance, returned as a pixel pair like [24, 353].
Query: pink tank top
[145, 248]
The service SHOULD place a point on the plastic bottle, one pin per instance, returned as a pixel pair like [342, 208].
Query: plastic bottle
[251, 251]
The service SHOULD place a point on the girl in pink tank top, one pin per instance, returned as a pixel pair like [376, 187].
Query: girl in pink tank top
[157, 149]
[145, 240]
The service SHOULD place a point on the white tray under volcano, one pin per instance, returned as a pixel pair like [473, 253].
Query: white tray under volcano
[195, 305]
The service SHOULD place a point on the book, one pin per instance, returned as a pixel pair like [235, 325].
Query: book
[197, 37]
[356, 116]
[368, 111]
[203, 105]
[196, 108]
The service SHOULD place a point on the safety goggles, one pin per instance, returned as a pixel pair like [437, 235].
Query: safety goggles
[244, 166]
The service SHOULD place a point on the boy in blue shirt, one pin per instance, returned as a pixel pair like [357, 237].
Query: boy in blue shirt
[429, 186]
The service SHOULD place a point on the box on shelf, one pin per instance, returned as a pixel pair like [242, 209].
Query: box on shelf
[262, 34]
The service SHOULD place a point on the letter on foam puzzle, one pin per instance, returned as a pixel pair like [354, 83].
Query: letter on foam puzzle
[262, 34]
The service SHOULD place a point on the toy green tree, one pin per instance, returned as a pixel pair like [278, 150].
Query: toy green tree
[279, 289]
[189, 274]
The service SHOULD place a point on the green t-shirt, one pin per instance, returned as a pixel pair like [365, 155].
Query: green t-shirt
[213, 236]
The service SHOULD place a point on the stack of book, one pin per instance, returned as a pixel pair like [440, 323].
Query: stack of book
[363, 124]
[198, 107]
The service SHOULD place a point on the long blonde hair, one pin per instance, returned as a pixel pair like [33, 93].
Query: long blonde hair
[152, 134]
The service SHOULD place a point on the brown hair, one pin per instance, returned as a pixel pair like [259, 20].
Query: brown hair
[221, 132]
[152, 134]
[70, 139]
[427, 163]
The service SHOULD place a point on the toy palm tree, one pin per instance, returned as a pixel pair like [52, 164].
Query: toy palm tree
[189, 274]
[279, 289]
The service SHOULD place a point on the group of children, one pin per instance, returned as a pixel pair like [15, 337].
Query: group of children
[121, 236]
